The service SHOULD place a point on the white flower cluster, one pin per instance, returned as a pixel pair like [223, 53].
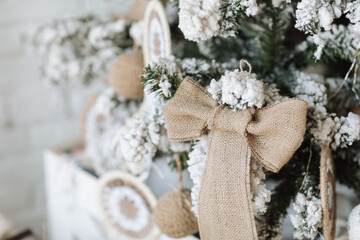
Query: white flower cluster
[79, 49]
[239, 90]
[350, 41]
[199, 20]
[312, 15]
[138, 143]
[308, 217]
[109, 112]
[197, 158]
[347, 130]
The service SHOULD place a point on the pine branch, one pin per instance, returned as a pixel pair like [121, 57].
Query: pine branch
[347, 167]
[184, 157]
[290, 179]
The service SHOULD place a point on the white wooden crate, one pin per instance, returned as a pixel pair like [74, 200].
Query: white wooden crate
[73, 210]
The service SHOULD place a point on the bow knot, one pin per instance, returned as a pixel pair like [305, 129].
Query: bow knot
[271, 135]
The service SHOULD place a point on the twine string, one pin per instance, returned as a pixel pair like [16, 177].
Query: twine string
[243, 61]
[178, 163]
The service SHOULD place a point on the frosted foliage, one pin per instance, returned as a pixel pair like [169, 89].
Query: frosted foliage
[196, 162]
[349, 43]
[310, 88]
[165, 86]
[312, 15]
[308, 216]
[277, 3]
[250, 6]
[138, 142]
[79, 50]
[199, 20]
[323, 130]
[347, 130]
[271, 95]
[170, 64]
[109, 112]
[353, 12]
[239, 90]
[261, 195]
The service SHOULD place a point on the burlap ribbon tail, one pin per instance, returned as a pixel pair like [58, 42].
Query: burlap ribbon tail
[270, 135]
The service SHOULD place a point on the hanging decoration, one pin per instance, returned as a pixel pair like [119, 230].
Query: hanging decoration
[157, 41]
[124, 74]
[328, 193]
[107, 113]
[271, 135]
[127, 206]
[173, 213]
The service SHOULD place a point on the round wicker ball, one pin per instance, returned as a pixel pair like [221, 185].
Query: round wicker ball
[124, 75]
[173, 214]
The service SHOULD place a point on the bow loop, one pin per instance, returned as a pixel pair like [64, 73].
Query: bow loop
[271, 134]
[187, 114]
[276, 132]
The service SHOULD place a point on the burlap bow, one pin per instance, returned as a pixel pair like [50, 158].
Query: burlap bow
[271, 135]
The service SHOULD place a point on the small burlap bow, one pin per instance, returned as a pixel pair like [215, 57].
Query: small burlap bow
[271, 135]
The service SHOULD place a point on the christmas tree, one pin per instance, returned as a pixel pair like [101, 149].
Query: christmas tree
[303, 49]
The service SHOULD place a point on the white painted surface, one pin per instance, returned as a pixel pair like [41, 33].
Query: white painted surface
[31, 114]
[72, 195]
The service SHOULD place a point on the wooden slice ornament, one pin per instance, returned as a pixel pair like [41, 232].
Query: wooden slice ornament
[328, 193]
[127, 206]
[157, 41]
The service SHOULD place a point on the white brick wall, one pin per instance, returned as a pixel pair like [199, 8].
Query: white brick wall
[32, 115]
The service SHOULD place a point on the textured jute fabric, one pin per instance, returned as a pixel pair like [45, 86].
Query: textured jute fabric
[271, 135]
[173, 214]
[328, 199]
[124, 75]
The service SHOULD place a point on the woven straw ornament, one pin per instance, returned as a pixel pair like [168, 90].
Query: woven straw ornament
[173, 213]
[124, 75]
